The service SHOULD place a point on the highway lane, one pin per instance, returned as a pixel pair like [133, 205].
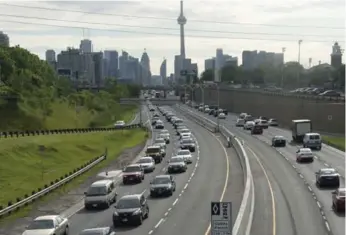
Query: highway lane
[218, 178]
[158, 207]
[293, 216]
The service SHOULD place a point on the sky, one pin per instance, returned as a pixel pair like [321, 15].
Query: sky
[233, 25]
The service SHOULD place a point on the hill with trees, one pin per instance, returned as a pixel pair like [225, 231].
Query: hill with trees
[32, 96]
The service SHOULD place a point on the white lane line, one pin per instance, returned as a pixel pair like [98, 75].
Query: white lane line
[318, 204]
[166, 213]
[176, 200]
[186, 185]
[158, 224]
[150, 232]
[169, 209]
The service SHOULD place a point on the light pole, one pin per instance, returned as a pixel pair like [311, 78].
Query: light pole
[283, 66]
[298, 74]
[218, 105]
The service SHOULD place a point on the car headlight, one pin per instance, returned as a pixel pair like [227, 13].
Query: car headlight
[115, 213]
[137, 212]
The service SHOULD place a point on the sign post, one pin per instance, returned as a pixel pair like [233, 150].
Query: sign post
[221, 218]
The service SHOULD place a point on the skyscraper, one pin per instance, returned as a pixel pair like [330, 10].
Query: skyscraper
[336, 56]
[145, 63]
[163, 72]
[86, 46]
[112, 63]
[50, 56]
[219, 61]
[182, 21]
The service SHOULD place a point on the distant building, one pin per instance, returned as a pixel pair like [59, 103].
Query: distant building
[231, 61]
[254, 59]
[86, 46]
[156, 80]
[98, 68]
[219, 62]
[336, 56]
[178, 67]
[209, 64]
[145, 69]
[112, 58]
[50, 56]
[122, 63]
[4, 39]
[163, 71]
[249, 60]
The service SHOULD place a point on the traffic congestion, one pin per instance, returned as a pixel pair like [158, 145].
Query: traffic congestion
[132, 209]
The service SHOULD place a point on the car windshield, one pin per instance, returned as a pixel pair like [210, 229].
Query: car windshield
[41, 224]
[158, 122]
[305, 150]
[145, 160]
[128, 203]
[273, 120]
[120, 122]
[96, 191]
[164, 132]
[179, 121]
[160, 141]
[161, 180]
[314, 137]
[153, 150]
[187, 141]
[177, 159]
[184, 152]
[132, 169]
[328, 171]
[93, 232]
[185, 131]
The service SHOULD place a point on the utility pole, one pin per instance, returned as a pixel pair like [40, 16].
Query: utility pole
[283, 66]
[298, 72]
[218, 105]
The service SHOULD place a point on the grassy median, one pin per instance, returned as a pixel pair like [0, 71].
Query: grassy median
[24, 167]
[337, 142]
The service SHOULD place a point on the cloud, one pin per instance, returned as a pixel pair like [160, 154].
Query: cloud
[249, 22]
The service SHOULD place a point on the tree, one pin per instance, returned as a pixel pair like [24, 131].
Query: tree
[207, 75]
[229, 73]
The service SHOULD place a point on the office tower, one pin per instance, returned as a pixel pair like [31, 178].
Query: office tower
[156, 80]
[50, 56]
[86, 46]
[112, 58]
[4, 39]
[219, 61]
[163, 72]
[146, 73]
[249, 59]
[336, 56]
[178, 67]
[182, 21]
[209, 64]
[98, 68]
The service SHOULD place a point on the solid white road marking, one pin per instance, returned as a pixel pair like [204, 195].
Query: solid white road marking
[176, 200]
[158, 224]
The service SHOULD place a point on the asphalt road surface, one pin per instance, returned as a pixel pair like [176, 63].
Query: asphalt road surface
[188, 210]
[296, 211]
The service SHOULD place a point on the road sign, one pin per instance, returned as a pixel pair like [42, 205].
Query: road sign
[221, 218]
[330, 117]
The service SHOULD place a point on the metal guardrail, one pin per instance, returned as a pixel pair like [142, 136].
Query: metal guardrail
[243, 223]
[49, 189]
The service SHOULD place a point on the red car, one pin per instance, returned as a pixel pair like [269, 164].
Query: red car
[133, 174]
[338, 197]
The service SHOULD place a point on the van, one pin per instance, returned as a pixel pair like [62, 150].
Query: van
[312, 140]
[100, 194]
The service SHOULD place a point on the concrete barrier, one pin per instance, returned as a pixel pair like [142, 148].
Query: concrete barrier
[243, 223]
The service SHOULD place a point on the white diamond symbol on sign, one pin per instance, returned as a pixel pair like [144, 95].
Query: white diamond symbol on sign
[215, 209]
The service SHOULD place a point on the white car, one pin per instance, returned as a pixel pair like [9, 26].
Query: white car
[147, 163]
[242, 115]
[48, 225]
[240, 122]
[165, 136]
[222, 116]
[207, 110]
[248, 125]
[98, 231]
[304, 155]
[119, 124]
[186, 154]
[160, 142]
[185, 136]
[264, 123]
[273, 122]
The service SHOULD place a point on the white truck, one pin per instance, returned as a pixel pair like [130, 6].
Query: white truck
[299, 128]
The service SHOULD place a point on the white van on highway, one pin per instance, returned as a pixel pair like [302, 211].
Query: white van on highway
[100, 193]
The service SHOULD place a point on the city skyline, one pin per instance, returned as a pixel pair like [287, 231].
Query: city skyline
[38, 38]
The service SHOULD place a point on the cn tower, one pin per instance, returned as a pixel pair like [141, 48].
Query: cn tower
[182, 21]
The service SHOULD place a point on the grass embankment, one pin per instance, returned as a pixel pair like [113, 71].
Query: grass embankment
[337, 142]
[23, 168]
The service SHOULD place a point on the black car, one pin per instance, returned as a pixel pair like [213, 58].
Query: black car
[327, 177]
[151, 109]
[169, 116]
[154, 120]
[156, 115]
[131, 209]
[278, 141]
[256, 130]
[178, 122]
[188, 144]
[159, 125]
[162, 185]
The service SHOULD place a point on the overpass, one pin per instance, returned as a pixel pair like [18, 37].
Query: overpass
[159, 101]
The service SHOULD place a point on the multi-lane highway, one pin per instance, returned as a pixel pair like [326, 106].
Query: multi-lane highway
[292, 202]
[214, 175]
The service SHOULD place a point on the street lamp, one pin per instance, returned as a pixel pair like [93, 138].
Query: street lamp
[283, 66]
[218, 105]
[298, 74]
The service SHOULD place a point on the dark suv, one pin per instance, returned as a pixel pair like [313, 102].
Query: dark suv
[131, 209]
[257, 130]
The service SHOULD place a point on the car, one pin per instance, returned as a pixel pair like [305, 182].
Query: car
[176, 164]
[162, 185]
[200, 108]
[207, 110]
[119, 124]
[101, 193]
[222, 116]
[338, 199]
[133, 173]
[278, 141]
[147, 163]
[156, 115]
[248, 118]
[240, 122]
[185, 135]
[98, 231]
[189, 144]
[185, 131]
[165, 136]
[256, 129]
[327, 177]
[273, 122]
[160, 142]
[177, 122]
[48, 225]
[131, 209]
[312, 140]
[304, 155]
[249, 125]
[156, 152]
[263, 123]
[154, 120]
[186, 154]
[242, 115]
[151, 109]
[169, 116]
[173, 119]
[159, 125]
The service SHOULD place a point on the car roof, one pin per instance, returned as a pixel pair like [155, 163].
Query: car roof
[327, 169]
[177, 157]
[153, 147]
[164, 130]
[309, 134]
[305, 149]
[131, 196]
[183, 150]
[134, 165]
[47, 217]
[101, 182]
[162, 176]
[279, 137]
[103, 229]
[147, 157]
